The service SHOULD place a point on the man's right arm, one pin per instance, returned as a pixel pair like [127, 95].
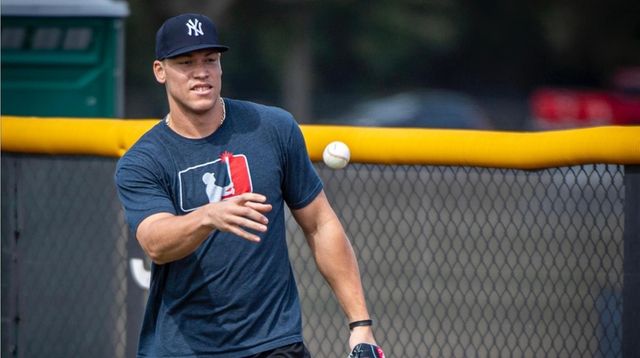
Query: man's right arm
[166, 237]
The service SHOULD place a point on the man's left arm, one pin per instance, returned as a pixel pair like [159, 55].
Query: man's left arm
[336, 261]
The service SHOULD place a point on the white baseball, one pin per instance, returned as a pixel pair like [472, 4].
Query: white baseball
[336, 155]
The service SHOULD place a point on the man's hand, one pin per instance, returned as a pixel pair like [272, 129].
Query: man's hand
[239, 214]
[361, 335]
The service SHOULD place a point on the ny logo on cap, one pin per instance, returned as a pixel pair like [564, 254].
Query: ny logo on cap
[195, 26]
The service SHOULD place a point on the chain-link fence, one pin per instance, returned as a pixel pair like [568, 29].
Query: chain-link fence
[64, 257]
[456, 261]
[471, 262]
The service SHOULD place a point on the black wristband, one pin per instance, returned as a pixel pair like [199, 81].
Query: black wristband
[365, 322]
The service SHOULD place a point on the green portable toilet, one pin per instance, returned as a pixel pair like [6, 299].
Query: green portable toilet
[63, 58]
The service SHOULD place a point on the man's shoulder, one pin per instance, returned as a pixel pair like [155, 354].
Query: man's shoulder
[259, 109]
[146, 146]
[150, 137]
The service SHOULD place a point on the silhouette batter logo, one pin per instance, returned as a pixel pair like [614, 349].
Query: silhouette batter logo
[214, 181]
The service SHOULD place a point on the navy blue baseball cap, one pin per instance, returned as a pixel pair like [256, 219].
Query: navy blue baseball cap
[186, 33]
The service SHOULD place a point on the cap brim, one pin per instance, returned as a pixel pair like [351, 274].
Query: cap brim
[182, 51]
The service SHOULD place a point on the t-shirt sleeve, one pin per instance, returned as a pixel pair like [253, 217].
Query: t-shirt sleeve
[141, 191]
[302, 183]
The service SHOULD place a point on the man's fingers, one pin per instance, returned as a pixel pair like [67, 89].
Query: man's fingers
[243, 215]
[244, 234]
[263, 208]
[251, 214]
[252, 224]
[240, 218]
[247, 197]
[252, 200]
[237, 225]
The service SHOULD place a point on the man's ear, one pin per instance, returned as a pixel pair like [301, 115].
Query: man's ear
[158, 71]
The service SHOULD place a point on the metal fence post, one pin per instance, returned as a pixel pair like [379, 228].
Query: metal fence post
[631, 290]
[136, 295]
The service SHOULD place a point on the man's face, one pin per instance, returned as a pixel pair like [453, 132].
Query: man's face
[193, 80]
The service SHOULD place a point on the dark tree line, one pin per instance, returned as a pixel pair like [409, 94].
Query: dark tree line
[302, 53]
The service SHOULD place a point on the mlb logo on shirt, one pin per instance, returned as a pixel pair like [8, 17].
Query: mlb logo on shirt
[214, 181]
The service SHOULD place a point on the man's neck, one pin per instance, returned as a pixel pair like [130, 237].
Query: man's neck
[195, 125]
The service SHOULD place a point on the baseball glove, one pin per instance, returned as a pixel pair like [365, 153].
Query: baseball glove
[365, 350]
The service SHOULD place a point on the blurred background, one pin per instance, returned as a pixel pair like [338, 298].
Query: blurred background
[441, 63]
[503, 65]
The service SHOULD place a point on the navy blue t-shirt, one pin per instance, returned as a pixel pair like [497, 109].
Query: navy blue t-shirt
[231, 297]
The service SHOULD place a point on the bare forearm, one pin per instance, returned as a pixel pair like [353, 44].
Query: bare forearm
[336, 260]
[167, 238]
[337, 263]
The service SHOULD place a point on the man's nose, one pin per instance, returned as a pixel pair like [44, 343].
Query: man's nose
[201, 70]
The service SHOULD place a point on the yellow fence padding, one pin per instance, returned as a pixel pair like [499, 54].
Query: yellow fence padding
[103, 137]
[520, 150]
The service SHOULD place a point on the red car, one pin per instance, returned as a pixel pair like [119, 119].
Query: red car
[554, 108]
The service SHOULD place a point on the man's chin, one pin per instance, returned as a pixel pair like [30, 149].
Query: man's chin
[202, 108]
